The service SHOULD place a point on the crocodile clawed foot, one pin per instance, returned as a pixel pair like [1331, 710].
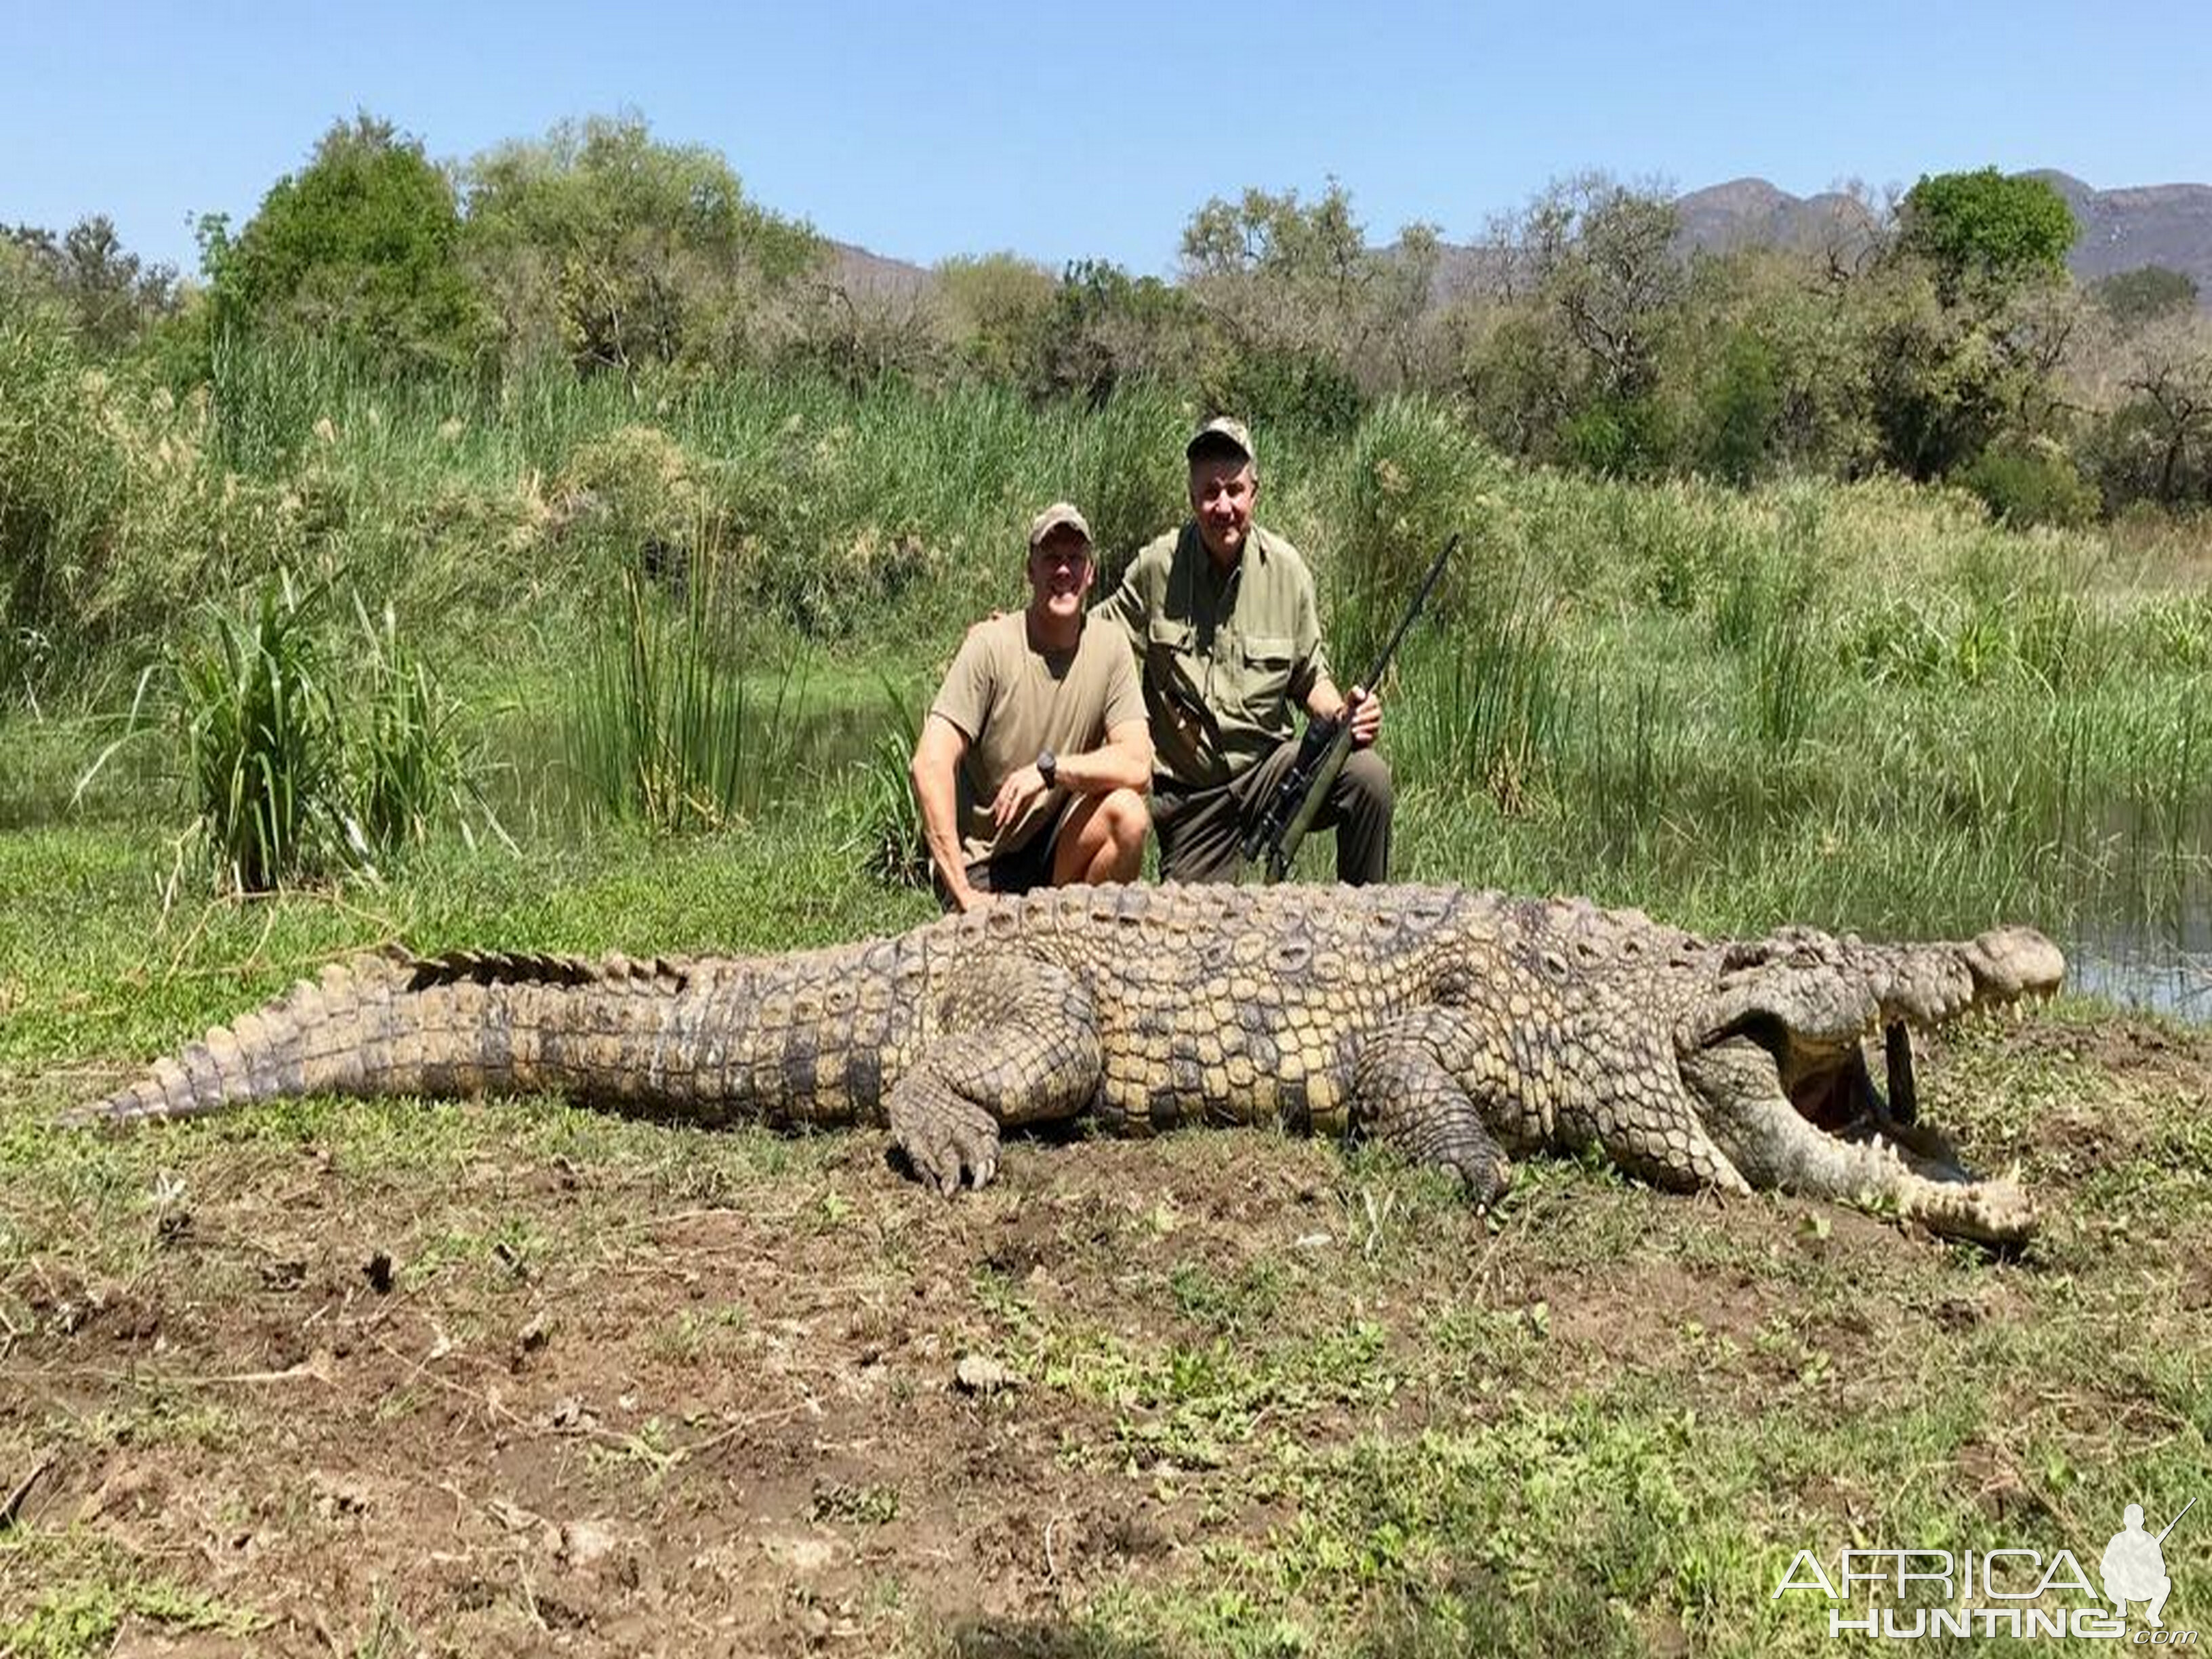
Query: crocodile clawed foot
[944, 1137]
[1483, 1177]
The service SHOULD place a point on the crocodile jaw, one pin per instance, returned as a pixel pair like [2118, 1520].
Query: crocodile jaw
[1775, 1059]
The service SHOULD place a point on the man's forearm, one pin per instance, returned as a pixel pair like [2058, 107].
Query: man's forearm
[938, 797]
[1323, 701]
[1111, 766]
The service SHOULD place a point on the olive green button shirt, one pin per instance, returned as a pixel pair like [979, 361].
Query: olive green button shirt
[1228, 661]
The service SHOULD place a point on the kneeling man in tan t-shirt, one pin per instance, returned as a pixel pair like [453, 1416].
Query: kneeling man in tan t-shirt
[1032, 767]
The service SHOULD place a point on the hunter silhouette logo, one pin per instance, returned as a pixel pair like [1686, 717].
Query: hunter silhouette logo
[2134, 1568]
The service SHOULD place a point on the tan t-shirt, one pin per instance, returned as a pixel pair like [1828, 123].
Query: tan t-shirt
[1011, 701]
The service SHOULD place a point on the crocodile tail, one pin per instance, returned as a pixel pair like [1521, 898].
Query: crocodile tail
[382, 1024]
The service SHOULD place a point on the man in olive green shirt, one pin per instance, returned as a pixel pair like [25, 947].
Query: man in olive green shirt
[1221, 613]
[1031, 768]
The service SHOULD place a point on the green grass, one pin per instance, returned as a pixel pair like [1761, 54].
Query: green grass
[89, 1592]
[1796, 696]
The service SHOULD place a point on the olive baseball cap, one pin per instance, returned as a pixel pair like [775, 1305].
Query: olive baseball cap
[1059, 515]
[1221, 435]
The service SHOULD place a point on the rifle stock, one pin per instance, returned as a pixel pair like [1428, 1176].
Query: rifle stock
[1321, 755]
[1277, 834]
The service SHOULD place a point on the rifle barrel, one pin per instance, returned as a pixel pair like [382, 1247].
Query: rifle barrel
[1411, 612]
[2176, 1522]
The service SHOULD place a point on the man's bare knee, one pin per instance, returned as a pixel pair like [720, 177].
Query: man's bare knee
[1127, 819]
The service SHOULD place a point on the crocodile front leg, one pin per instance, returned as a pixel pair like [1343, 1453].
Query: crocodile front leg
[1015, 1042]
[1407, 1094]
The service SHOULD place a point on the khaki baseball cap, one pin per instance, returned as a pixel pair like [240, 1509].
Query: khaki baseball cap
[1058, 514]
[1219, 435]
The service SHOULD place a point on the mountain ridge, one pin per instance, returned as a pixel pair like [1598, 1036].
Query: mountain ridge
[2124, 229]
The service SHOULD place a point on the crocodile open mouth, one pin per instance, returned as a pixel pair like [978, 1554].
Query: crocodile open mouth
[1843, 1088]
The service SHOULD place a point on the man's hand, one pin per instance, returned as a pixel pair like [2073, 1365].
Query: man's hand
[967, 897]
[1365, 712]
[1016, 795]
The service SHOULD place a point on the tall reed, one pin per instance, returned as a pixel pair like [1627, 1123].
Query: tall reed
[665, 728]
[416, 761]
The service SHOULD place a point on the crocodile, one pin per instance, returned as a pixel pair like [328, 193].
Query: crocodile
[1461, 1028]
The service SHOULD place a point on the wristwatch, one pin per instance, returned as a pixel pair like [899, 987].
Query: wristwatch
[1047, 765]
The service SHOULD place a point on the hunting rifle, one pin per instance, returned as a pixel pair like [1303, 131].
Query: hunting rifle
[1279, 829]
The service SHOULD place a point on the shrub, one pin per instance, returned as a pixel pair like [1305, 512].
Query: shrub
[263, 744]
[1414, 475]
[2024, 485]
[305, 748]
[411, 762]
[1619, 437]
[110, 513]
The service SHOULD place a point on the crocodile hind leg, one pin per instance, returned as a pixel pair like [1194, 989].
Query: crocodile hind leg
[1015, 1042]
[1407, 1094]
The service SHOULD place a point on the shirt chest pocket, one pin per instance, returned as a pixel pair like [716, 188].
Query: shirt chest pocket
[1268, 659]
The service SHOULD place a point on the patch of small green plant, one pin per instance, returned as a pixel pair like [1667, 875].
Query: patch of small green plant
[1226, 1303]
[866, 1506]
[708, 1336]
[85, 1591]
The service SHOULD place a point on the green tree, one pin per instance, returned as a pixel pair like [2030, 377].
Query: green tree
[110, 296]
[1107, 329]
[620, 251]
[1303, 315]
[2134, 298]
[360, 248]
[1986, 227]
[1514, 370]
[2160, 440]
[997, 309]
[1978, 312]
[1602, 253]
[1770, 363]
[1591, 288]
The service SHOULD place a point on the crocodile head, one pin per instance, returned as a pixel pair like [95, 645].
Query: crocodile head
[1775, 1055]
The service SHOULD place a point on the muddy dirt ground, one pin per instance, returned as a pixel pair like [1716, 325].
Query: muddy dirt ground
[513, 1381]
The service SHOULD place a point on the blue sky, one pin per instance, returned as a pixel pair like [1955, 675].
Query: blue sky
[1063, 131]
